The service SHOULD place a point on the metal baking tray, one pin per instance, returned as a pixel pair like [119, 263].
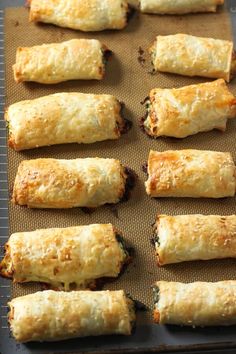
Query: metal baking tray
[147, 338]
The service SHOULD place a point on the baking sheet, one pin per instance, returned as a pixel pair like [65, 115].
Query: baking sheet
[131, 82]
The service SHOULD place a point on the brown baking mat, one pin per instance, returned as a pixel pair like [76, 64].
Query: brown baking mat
[131, 82]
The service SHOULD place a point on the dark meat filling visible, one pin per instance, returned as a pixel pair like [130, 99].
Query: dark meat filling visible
[155, 238]
[233, 65]
[156, 294]
[106, 54]
[127, 125]
[129, 183]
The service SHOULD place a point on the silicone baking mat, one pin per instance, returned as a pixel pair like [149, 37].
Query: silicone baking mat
[129, 78]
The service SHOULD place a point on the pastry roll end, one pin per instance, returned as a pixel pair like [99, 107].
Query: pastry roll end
[156, 313]
[6, 266]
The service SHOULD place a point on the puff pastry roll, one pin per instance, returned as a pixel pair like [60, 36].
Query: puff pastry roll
[75, 59]
[89, 182]
[195, 304]
[179, 7]
[194, 56]
[66, 258]
[191, 173]
[83, 15]
[191, 237]
[54, 315]
[188, 110]
[64, 118]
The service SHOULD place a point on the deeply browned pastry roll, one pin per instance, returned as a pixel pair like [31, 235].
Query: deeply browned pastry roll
[194, 56]
[51, 183]
[191, 173]
[76, 59]
[64, 118]
[195, 304]
[83, 15]
[179, 7]
[65, 257]
[54, 315]
[188, 110]
[191, 237]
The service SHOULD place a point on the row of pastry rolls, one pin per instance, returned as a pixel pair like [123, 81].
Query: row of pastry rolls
[76, 257]
[96, 16]
[88, 118]
[85, 59]
[92, 182]
[51, 315]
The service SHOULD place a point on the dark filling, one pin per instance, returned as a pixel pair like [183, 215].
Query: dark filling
[130, 13]
[155, 238]
[147, 103]
[129, 183]
[233, 65]
[124, 128]
[145, 100]
[121, 242]
[145, 167]
[156, 294]
[107, 53]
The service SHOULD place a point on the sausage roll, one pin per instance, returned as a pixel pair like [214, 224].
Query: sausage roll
[195, 304]
[69, 257]
[191, 173]
[64, 118]
[56, 62]
[192, 237]
[188, 110]
[179, 7]
[83, 15]
[194, 56]
[51, 183]
[55, 315]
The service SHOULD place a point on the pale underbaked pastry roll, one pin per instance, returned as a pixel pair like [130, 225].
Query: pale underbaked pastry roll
[184, 111]
[64, 118]
[195, 304]
[52, 183]
[194, 56]
[83, 15]
[191, 237]
[73, 257]
[76, 59]
[54, 315]
[191, 173]
[179, 7]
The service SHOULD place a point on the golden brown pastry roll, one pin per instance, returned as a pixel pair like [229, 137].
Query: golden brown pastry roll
[66, 258]
[195, 304]
[83, 15]
[191, 237]
[52, 183]
[76, 59]
[64, 118]
[194, 56]
[179, 7]
[188, 110]
[57, 315]
[191, 173]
